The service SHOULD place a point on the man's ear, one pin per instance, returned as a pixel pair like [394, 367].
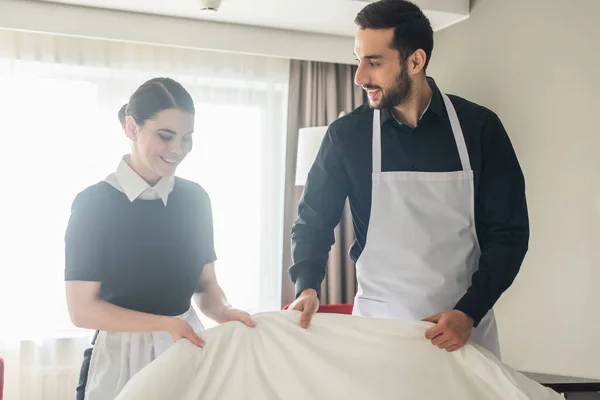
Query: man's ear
[416, 62]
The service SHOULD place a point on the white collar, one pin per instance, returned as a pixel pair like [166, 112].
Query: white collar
[134, 185]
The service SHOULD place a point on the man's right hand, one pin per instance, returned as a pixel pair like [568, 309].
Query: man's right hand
[308, 303]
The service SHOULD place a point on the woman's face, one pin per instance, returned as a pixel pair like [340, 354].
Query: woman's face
[160, 143]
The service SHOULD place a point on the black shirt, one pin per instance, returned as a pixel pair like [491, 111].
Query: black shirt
[343, 168]
[147, 256]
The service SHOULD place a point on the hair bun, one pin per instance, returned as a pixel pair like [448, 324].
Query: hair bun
[122, 114]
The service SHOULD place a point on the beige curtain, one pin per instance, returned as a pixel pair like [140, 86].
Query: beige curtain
[318, 92]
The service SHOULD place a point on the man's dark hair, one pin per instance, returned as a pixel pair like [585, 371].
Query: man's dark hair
[412, 29]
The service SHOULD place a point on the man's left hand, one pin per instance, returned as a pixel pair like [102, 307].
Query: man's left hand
[452, 330]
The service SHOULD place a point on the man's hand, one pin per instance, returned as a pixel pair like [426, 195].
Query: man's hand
[308, 303]
[452, 330]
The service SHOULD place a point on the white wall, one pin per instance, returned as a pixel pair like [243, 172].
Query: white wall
[537, 64]
[118, 25]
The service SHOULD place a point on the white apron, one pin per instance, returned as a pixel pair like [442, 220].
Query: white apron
[421, 248]
[118, 356]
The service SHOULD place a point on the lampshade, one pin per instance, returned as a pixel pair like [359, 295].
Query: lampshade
[309, 142]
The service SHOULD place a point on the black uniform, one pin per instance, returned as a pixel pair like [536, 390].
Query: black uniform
[147, 256]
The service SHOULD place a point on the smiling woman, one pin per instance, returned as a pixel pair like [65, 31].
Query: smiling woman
[140, 244]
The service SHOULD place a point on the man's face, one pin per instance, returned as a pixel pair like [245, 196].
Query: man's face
[380, 71]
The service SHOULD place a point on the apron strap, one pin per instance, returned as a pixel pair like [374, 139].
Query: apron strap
[456, 131]
[458, 134]
[376, 144]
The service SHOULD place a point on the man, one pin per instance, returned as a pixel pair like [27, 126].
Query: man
[436, 192]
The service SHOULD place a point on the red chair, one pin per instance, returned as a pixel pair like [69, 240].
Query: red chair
[332, 308]
[1, 378]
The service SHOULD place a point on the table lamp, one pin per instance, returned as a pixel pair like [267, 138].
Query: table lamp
[309, 142]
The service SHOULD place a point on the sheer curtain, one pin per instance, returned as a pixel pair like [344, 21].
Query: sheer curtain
[59, 98]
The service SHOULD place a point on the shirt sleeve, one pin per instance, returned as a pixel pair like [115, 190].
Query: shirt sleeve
[84, 241]
[206, 230]
[501, 219]
[319, 211]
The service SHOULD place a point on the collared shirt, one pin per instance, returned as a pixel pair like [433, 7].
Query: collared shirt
[148, 256]
[127, 181]
[343, 170]
[423, 113]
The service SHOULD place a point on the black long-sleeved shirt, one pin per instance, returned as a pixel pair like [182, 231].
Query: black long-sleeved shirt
[343, 167]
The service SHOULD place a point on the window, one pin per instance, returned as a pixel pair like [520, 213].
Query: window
[61, 134]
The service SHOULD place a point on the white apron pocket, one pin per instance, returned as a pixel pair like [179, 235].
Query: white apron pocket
[369, 307]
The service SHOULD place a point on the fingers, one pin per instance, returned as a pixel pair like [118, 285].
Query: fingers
[305, 317]
[434, 331]
[308, 304]
[446, 333]
[434, 318]
[195, 339]
[453, 347]
[248, 321]
[447, 341]
[297, 305]
[239, 316]
[440, 340]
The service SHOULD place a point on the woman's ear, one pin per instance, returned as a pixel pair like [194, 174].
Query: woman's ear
[131, 128]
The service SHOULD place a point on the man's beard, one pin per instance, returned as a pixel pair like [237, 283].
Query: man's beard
[398, 93]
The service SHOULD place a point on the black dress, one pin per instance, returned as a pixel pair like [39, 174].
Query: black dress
[147, 256]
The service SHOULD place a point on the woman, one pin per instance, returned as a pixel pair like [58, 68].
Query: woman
[139, 247]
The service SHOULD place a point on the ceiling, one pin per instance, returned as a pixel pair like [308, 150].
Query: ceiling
[333, 17]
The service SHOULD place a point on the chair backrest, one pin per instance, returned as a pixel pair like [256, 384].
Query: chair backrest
[331, 308]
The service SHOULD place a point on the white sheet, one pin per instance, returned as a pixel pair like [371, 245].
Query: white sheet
[338, 357]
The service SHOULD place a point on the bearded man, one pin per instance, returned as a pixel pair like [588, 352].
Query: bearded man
[435, 189]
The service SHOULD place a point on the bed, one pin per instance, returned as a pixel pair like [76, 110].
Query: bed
[564, 385]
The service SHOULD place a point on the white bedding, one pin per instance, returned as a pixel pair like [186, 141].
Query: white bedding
[338, 357]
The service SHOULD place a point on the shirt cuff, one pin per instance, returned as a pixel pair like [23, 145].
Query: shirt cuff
[473, 306]
[308, 282]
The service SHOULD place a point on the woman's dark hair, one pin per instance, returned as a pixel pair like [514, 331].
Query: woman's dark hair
[412, 29]
[122, 115]
[156, 95]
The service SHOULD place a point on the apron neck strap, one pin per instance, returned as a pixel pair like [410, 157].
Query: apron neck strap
[456, 131]
[376, 142]
[458, 134]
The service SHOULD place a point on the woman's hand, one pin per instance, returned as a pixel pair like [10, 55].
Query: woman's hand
[180, 329]
[212, 301]
[233, 314]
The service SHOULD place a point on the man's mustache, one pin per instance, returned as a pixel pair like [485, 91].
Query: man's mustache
[365, 87]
